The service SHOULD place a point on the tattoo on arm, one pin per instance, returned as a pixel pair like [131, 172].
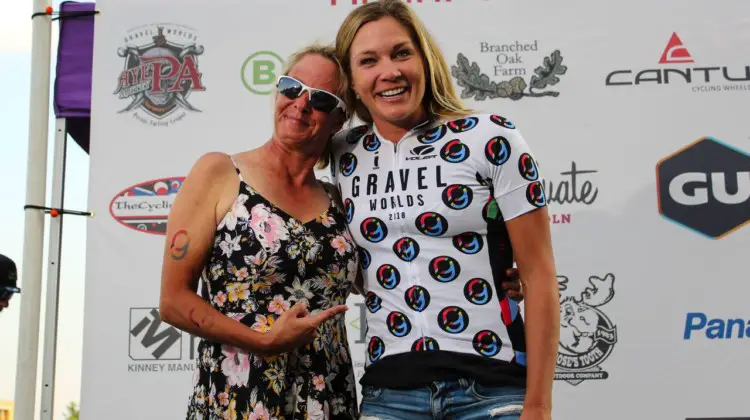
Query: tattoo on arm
[204, 322]
[180, 245]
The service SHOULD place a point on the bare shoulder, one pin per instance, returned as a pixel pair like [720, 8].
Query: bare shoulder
[208, 174]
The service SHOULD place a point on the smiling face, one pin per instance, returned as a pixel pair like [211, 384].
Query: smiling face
[388, 73]
[295, 121]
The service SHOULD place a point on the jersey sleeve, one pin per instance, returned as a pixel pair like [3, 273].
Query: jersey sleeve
[513, 171]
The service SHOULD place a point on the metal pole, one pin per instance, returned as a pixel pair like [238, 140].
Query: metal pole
[36, 187]
[53, 272]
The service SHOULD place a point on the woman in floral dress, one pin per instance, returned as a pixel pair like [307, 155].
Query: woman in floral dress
[277, 263]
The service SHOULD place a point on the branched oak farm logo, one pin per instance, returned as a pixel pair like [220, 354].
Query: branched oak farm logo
[705, 187]
[161, 71]
[510, 74]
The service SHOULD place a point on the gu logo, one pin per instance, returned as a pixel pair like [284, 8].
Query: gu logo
[160, 72]
[150, 339]
[587, 336]
[705, 187]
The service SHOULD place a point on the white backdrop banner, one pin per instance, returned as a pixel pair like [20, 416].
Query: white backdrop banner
[637, 112]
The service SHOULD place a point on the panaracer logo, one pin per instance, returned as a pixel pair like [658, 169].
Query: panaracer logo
[587, 336]
[514, 72]
[161, 71]
[677, 69]
[675, 52]
[701, 325]
[260, 71]
[705, 187]
[145, 207]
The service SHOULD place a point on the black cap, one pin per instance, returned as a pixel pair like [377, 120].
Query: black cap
[8, 273]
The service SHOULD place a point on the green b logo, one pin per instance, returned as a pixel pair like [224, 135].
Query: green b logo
[260, 71]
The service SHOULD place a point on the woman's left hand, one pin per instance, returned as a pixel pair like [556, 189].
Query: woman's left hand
[512, 285]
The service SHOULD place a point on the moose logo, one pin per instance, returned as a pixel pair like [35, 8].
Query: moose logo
[587, 336]
[161, 70]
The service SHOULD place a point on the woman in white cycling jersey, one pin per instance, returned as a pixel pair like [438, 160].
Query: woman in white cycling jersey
[441, 201]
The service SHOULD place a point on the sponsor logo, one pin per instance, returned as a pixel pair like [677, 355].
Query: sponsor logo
[421, 152]
[161, 71]
[679, 68]
[705, 187]
[587, 335]
[675, 52]
[573, 187]
[157, 347]
[513, 72]
[260, 71]
[700, 324]
[145, 207]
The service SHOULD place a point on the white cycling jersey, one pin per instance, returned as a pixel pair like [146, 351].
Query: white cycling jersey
[428, 215]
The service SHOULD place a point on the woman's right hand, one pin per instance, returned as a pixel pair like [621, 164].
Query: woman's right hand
[296, 327]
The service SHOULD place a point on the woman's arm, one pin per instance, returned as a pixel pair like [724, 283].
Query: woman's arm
[532, 249]
[190, 233]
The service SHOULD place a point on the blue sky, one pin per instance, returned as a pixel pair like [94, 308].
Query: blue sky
[15, 62]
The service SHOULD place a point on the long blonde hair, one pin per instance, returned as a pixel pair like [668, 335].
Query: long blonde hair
[328, 52]
[440, 97]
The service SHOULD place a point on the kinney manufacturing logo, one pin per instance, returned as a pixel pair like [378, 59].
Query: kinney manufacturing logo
[155, 346]
[705, 187]
[145, 207]
[715, 328]
[260, 71]
[161, 71]
[679, 70]
[511, 64]
[587, 336]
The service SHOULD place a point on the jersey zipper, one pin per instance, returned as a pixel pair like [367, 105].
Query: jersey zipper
[412, 274]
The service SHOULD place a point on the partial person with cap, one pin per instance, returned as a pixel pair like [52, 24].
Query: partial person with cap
[8, 278]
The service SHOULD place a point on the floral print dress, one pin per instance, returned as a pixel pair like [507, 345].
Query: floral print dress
[262, 263]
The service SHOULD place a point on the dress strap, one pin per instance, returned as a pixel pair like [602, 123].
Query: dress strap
[237, 168]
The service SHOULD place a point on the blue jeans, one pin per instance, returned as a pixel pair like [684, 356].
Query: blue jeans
[459, 400]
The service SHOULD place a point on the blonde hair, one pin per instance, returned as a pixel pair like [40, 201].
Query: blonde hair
[440, 97]
[328, 52]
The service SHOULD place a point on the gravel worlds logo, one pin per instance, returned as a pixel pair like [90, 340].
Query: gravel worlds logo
[511, 73]
[161, 71]
[587, 335]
